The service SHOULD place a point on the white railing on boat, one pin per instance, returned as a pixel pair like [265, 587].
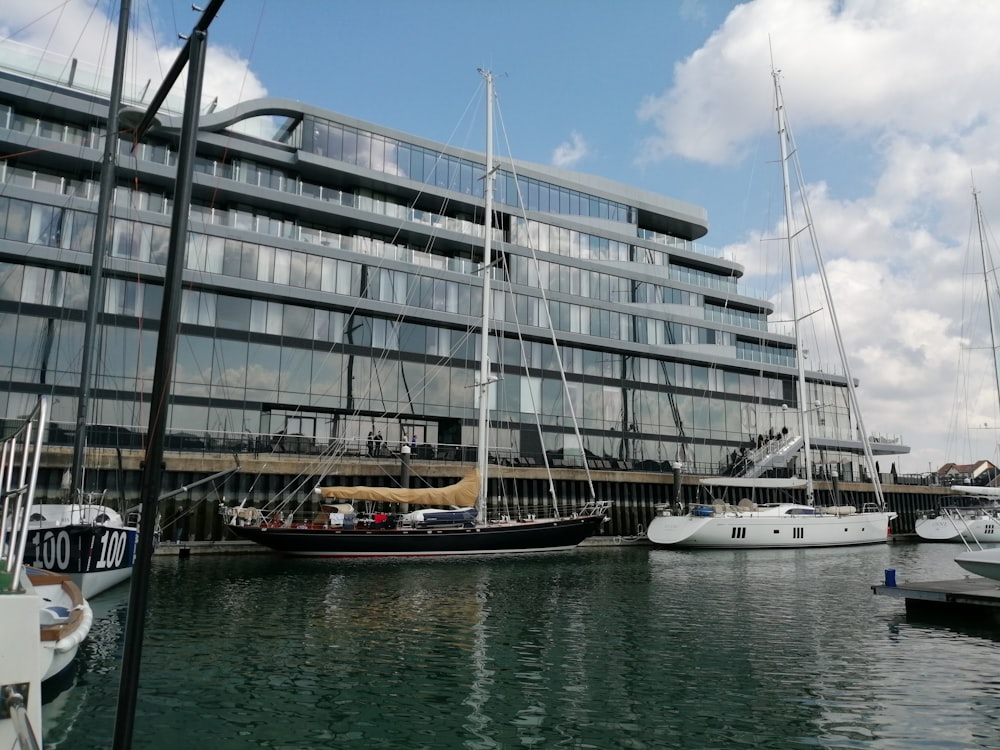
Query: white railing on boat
[20, 454]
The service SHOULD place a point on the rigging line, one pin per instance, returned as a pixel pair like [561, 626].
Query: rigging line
[555, 341]
[130, 211]
[52, 32]
[239, 98]
[440, 157]
[156, 43]
[828, 298]
[961, 404]
[15, 32]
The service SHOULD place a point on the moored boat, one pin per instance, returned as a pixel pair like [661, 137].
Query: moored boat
[958, 524]
[967, 522]
[21, 668]
[64, 618]
[717, 523]
[982, 562]
[90, 544]
[449, 521]
[43, 616]
[799, 522]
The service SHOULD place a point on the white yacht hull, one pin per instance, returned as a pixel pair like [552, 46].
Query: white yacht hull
[20, 665]
[984, 528]
[93, 583]
[983, 562]
[767, 529]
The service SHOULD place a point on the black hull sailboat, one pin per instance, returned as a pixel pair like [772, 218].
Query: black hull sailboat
[449, 528]
[449, 520]
[95, 555]
[548, 535]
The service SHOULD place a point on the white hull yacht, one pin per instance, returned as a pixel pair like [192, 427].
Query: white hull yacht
[798, 522]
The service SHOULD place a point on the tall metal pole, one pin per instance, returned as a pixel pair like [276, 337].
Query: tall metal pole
[152, 475]
[484, 334]
[102, 239]
[987, 259]
[793, 273]
[175, 70]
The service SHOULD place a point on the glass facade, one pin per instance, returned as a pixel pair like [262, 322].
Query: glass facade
[321, 302]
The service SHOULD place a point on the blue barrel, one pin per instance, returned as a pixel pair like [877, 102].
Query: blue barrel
[890, 577]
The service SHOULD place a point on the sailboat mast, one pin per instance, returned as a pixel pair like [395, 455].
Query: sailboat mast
[102, 238]
[983, 249]
[793, 271]
[484, 338]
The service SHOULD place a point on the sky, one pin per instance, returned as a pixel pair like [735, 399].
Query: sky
[892, 104]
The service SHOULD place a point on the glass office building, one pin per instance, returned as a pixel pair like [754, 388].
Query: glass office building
[332, 288]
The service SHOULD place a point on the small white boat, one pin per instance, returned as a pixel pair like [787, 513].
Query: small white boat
[42, 620]
[982, 562]
[64, 618]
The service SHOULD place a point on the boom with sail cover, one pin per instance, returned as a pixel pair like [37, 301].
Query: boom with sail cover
[460, 495]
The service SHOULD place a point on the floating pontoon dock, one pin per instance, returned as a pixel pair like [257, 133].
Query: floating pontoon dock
[969, 595]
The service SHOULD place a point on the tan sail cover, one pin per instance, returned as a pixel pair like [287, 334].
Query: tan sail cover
[462, 495]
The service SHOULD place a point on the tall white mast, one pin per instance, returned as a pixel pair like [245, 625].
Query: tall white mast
[793, 271]
[987, 268]
[484, 335]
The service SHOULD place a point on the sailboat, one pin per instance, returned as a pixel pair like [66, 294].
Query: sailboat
[448, 521]
[977, 519]
[83, 538]
[45, 617]
[21, 668]
[744, 524]
[980, 561]
[956, 523]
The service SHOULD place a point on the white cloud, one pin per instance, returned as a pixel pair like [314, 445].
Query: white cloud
[65, 30]
[569, 153]
[693, 10]
[906, 83]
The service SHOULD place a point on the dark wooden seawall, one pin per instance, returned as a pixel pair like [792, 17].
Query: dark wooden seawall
[634, 494]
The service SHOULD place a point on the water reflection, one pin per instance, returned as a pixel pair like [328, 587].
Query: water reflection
[621, 647]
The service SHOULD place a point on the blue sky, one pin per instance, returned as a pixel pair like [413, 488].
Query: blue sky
[892, 104]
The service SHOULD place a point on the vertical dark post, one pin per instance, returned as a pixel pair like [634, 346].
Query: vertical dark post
[678, 483]
[102, 238]
[152, 476]
[404, 474]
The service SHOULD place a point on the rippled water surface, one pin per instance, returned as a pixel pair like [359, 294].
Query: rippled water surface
[620, 647]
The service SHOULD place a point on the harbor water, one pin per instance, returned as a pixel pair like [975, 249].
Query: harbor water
[603, 647]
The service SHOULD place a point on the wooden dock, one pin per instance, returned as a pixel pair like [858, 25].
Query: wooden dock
[972, 595]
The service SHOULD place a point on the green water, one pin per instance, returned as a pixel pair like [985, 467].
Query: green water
[619, 647]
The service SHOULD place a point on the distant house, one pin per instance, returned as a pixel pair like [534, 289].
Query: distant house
[980, 474]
